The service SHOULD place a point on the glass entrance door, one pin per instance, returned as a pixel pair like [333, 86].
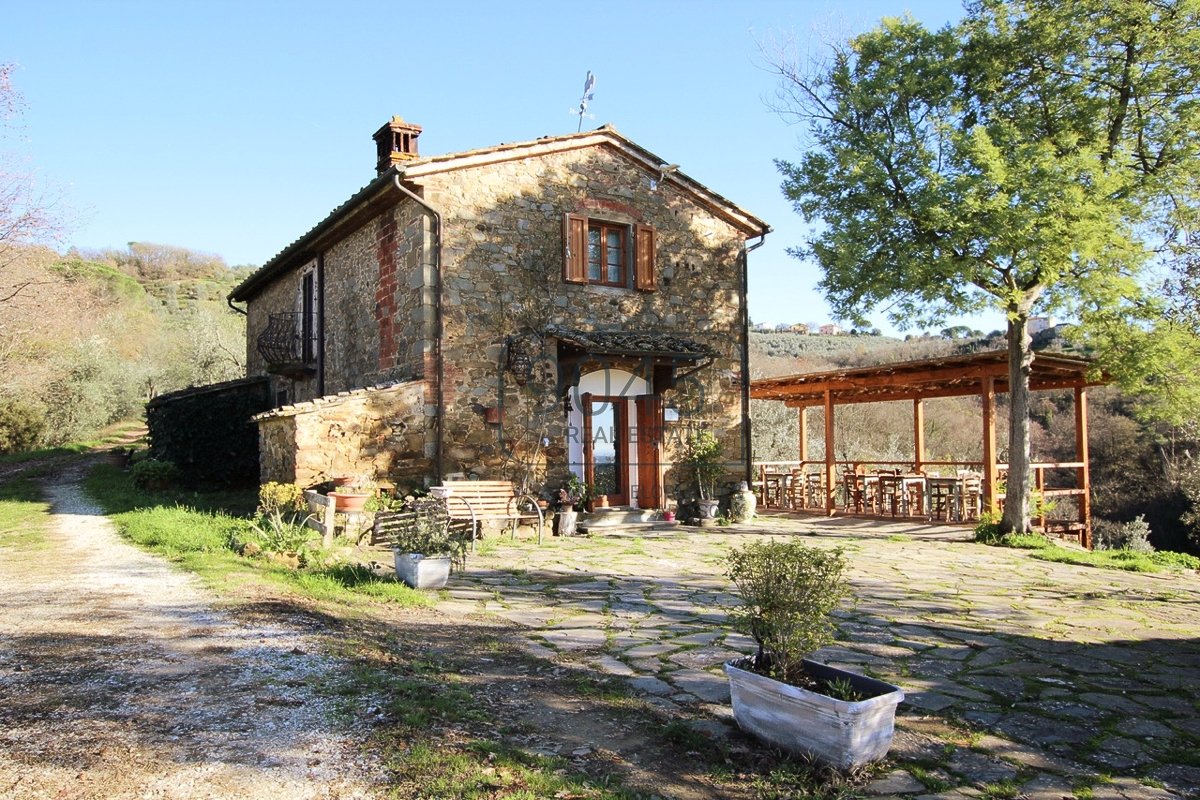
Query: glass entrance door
[607, 452]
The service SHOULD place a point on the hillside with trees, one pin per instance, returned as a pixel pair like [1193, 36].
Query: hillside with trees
[86, 338]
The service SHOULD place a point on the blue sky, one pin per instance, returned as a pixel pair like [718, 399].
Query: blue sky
[233, 127]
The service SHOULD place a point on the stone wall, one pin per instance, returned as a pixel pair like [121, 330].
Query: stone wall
[502, 276]
[378, 324]
[376, 433]
[503, 251]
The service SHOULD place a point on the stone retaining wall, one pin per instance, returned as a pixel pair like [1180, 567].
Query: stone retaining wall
[376, 433]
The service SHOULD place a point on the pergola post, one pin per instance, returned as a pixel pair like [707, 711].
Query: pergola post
[802, 415]
[918, 435]
[830, 466]
[1083, 478]
[988, 397]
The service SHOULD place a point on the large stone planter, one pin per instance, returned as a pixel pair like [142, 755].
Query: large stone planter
[840, 733]
[742, 504]
[708, 511]
[422, 572]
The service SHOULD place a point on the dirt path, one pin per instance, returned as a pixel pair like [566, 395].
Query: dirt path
[118, 679]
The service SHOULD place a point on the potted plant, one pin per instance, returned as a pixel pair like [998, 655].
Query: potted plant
[574, 493]
[702, 460]
[425, 546]
[350, 495]
[788, 593]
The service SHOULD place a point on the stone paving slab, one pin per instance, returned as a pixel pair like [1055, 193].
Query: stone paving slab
[1064, 673]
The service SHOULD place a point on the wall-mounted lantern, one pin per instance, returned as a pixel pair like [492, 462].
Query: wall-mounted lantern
[519, 360]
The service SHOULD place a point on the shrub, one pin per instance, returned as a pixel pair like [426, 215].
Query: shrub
[286, 498]
[701, 458]
[276, 533]
[21, 425]
[429, 532]
[788, 593]
[1133, 535]
[988, 530]
[153, 475]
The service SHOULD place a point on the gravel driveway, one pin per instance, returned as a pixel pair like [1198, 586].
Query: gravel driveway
[118, 678]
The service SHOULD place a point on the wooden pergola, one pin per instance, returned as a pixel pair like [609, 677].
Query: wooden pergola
[981, 374]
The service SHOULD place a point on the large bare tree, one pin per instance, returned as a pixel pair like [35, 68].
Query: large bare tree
[28, 213]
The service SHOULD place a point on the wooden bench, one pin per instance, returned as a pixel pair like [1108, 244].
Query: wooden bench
[492, 500]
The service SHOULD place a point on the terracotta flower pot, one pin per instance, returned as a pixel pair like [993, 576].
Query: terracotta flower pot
[349, 502]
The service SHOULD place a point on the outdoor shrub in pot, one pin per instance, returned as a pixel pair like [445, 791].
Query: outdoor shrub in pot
[426, 545]
[789, 592]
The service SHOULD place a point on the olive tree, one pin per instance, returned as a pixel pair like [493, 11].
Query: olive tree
[1034, 158]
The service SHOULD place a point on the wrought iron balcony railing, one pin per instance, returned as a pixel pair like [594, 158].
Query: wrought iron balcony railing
[289, 344]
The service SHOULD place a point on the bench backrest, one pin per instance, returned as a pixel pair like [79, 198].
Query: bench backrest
[486, 498]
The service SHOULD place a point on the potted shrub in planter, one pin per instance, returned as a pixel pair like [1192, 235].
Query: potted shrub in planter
[426, 545]
[788, 592]
[574, 494]
[702, 459]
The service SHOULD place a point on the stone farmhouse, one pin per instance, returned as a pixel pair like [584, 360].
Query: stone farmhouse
[572, 303]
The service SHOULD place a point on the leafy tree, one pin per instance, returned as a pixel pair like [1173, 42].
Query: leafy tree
[1030, 158]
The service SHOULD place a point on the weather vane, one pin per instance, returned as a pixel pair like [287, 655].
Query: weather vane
[588, 84]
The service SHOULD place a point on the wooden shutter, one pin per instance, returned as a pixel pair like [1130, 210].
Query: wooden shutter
[649, 450]
[574, 248]
[643, 272]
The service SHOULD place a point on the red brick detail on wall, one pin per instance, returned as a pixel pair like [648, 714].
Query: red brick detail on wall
[385, 291]
[600, 204]
[430, 367]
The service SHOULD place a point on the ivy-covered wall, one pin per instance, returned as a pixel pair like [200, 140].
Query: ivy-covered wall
[207, 432]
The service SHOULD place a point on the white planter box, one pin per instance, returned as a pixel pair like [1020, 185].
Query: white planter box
[841, 733]
[421, 572]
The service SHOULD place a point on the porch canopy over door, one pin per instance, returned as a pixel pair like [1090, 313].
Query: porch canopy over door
[658, 360]
[980, 374]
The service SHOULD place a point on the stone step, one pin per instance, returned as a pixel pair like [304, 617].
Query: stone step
[632, 529]
[617, 516]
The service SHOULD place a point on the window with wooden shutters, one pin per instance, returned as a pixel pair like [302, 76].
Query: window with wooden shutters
[608, 253]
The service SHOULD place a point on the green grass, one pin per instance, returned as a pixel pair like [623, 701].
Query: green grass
[106, 438]
[23, 515]
[438, 740]
[1128, 560]
[488, 769]
[198, 531]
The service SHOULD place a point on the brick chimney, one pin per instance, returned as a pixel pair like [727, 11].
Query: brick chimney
[395, 142]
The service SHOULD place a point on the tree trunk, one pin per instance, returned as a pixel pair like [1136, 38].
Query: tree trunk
[1020, 363]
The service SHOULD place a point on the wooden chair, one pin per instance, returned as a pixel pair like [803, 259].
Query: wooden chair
[814, 489]
[943, 498]
[914, 494]
[772, 490]
[891, 494]
[972, 496]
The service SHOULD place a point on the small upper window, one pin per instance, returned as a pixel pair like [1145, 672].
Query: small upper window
[606, 254]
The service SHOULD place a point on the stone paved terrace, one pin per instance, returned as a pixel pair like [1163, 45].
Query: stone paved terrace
[1064, 674]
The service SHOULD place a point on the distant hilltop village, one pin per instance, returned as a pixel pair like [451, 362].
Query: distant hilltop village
[1036, 325]
[829, 329]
